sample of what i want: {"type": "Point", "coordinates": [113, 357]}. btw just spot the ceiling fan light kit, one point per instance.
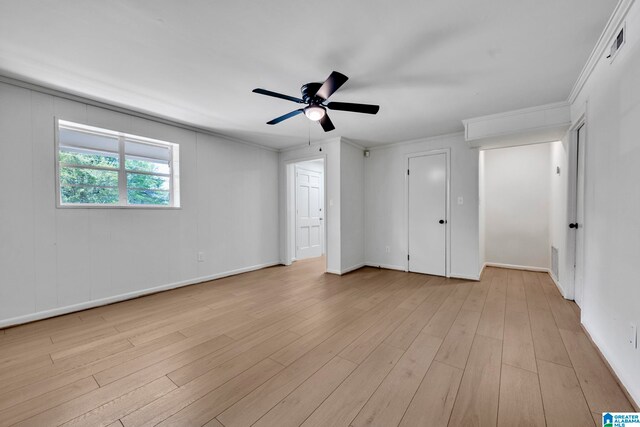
{"type": "Point", "coordinates": [315, 95]}
{"type": "Point", "coordinates": [315, 112]}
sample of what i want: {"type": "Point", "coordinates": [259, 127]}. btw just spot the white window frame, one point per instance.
{"type": "Point", "coordinates": [173, 175]}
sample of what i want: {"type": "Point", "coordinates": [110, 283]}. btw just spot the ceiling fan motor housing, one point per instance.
{"type": "Point", "coordinates": [309, 91]}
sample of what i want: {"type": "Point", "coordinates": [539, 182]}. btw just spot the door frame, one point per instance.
{"type": "Point", "coordinates": [289, 170]}
{"type": "Point", "coordinates": [296, 168]}
{"type": "Point", "coordinates": [572, 200]}
{"type": "Point", "coordinates": [447, 207]}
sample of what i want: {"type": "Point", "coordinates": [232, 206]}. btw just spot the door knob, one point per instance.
{"type": "Point", "coordinates": [442, 221]}
{"type": "Point", "coordinates": [573, 225]}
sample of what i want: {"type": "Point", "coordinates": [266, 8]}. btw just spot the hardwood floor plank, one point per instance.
{"type": "Point", "coordinates": [434, 398]}
{"type": "Point", "coordinates": [24, 368]}
{"type": "Point", "coordinates": [297, 406]}
{"type": "Point", "coordinates": [547, 342]}
{"type": "Point", "coordinates": [179, 354]}
{"type": "Point", "coordinates": [477, 399]}
{"type": "Point", "coordinates": [208, 381]}
{"type": "Point", "coordinates": [457, 344]}
{"type": "Point", "coordinates": [361, 347]}
{"type": "Point", "coordinates": [260, 401]}
{"type": "Point", "coordinates": [94, 399]}
{"type": "Point", "coordinates": [409, 329]}
{"type": "Point", "coordinates": [341, 407]}
{"type": "Point", "coordinates": [213, 423]}
{"type": "Point", "coordinates": [536, 299]}
{"type": "Point", "coordinates": [46, 401]}
{"type": "Point", "coordinates": [389, 402]}
{"type": "Point", "coordinates": [564, 402]}
{"type": "Point", "coordinates": [516, 296]}
{"type": "Point", "coordinates": [518, 347]}
{"type": "Point", "coordinates": [207, 406]}
{"type": "Point", "coordinates": [492, 319]}
{"type": "Point", "coordinates": [48, 380]}
{"type": "Point", "coordinates": [123, 405]}
{"type": "Point", "coordinates": [440, 323]}
{"type": "Point", "coordinates": [600, 388]}
{"type": "Point", "coordinates": [195, 367]}
{"type": "Point", "coordinates": [520, 398]}
{"type": "Point", "coordinates": [476, 298]}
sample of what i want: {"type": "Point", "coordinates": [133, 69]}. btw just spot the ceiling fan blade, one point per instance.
{"type": "Point", "coordinates": [332, 84]}
{"type": "Point", "coordinates": [278, 95]}
{"type": "Point", "coordinates": [326, 123]}
{"type": "Point", "coordinates": [285, 117]}
{"type": "Point", "coordinates": [355, 108]}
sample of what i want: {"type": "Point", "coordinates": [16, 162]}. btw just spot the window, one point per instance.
{"type": "Point", "coordinates": [103, 168]}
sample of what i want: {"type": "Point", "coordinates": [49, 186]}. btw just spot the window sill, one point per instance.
{"type": "Point", "coordinates": [59, 206]}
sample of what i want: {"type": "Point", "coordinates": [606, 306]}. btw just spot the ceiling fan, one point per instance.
{"type": "Point", "coordinates": [315, 95]}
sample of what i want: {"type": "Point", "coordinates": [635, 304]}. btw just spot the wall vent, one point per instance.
{"type": "Point", "coordinates": [554, 262]}
{"type": "Point", "coordinates": [618, 42]}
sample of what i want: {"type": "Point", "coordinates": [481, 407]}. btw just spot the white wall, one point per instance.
{"type": "Point", "coordinates": [385, 215]}
{"type": "Point", "coordinates": [52, 259]}
{"type": "Point", "coordinates": [352, 206]}
{"type": "Point", "coordinates": [516, 205]}
{"type": "Point", "coordinates": [611, 298]}
{"type": "Point", "coordinates": [559, 221]}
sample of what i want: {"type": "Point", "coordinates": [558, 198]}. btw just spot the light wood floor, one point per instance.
{"type": "Point", "coordinates": [290, 346]}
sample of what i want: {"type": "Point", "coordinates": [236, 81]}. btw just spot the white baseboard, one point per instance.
{"type": "Point", "coordinates": [625, 382]}
{"type": "Point", "coordinates": [346, 270]}
{"type": "Point", "coordinates": [386, 266]}
{"type": "Point", "coordinates": [465, 277]}
{"type": "Point", "coordinates": [515, 267]}
{"type": "Point", "coordinates": [18, 320]}
{"type": "Point", "coordinates": [559, 286]}
{"type": "Point", "coordinates": [529, 268]}
{"type": "Point", "coordinates": [352, 268]}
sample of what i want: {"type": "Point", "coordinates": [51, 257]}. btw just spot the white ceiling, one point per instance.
{"type": "Point", "coordinates": [428, 64]}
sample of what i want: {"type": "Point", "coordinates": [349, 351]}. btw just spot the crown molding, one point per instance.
{"type": "Point", "coordinates": [518, 112]}
{"type": "Point", "coordinates": [416, 141]}
{"type": "Point", "coordinates": [132, 112]}
{"type": "Point", "coordinates": [615, 21]}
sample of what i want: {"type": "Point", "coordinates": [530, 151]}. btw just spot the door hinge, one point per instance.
{"type": "Point", "coordinates": [407, 171]}
{"type": "Point", "coordinates": [407, 257]}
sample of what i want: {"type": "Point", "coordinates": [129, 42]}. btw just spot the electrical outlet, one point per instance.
{"type": "Point", "coordinates": [633, 336]}
{"type": "Point", "coordinates": [460, 200]}
{"type": "Point", "coordinates": [387, 249]}
{"type": "Point", "coordinates": [200, 256]}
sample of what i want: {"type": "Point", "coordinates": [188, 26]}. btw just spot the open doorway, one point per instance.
{"type": "Point", "coordinates": [515, 207]}
{"type": "Point", "coordinates": [306, 207]}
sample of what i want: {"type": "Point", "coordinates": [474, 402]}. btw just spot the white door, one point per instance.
{"type": "Point", "coordinates": [578, 225]}
{"type": "Point", "coordinates": [427, 214]}
{"type": "Point", "coordinates": [309, 215]}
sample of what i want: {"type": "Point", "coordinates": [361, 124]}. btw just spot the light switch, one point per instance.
{"type": "Point", "coordinates": [330, 202]}
{"type": "Point", "coordinates": [460, 200]}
